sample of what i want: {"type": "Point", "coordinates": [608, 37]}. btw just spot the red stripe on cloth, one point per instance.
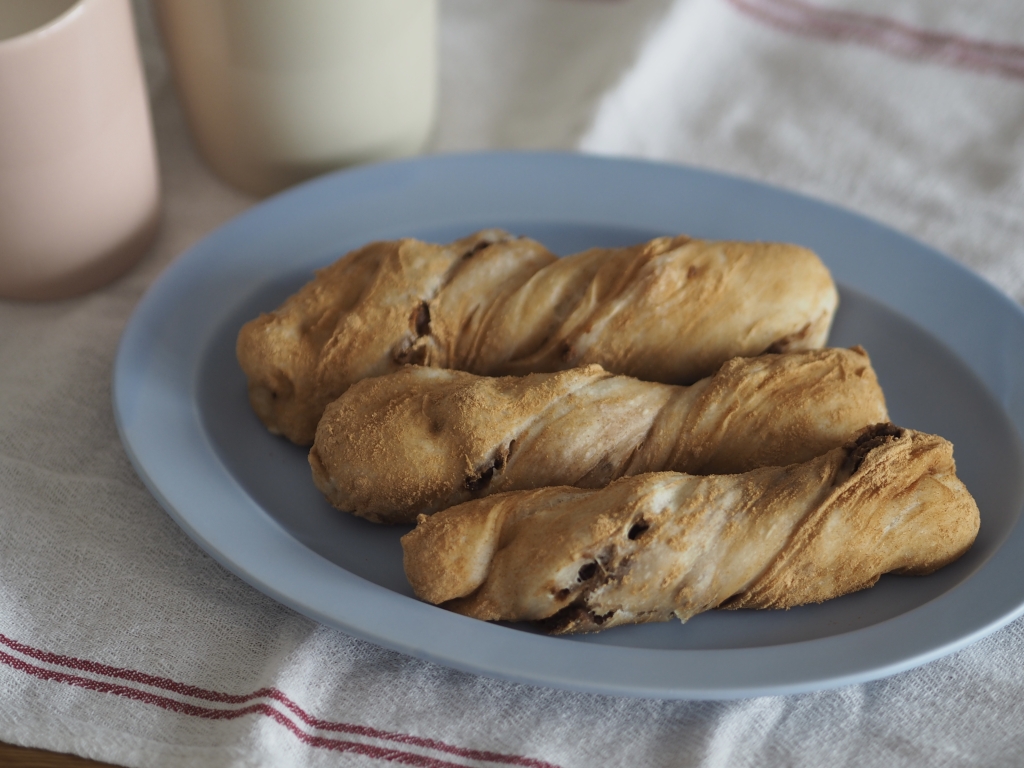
{"type": "Point", "coordinates": [195, 692]}
{"type": "Point", "coordinates": [392, 755]}
{"type": "Point", "coordinates": [887, 35]}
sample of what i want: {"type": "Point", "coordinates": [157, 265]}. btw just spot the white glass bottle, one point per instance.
{"type": "Point", "coordinates": [277, 91]}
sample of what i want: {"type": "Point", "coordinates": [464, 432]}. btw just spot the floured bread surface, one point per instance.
{"type": "Point", "coordinates": [663, 545]}
{"type": "Point", "coordinates": [672, 310]}
{"type": "Point", "coordinates": [360, 317]}
{"type": "Point", "coordinates": [421, 439]}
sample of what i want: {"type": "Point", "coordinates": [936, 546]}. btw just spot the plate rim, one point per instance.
{"type": "Point", "coordinates": [134, 354]}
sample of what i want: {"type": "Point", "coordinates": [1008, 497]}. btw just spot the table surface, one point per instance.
{"type": "Point", "coordinates": [22, 757]}
{"type": "Point", "coordinates": [856, 108]}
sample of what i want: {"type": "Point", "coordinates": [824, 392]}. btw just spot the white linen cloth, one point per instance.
{"type": "Point", "coordinates": [122, 641]}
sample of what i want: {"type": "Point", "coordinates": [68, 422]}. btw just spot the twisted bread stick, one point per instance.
{"type": "Point", "coordinates": [660, 545]}
{"type": "Point", "coordinates": [671, 310]}
{"type": "Point", "coordinates": [423, 439]}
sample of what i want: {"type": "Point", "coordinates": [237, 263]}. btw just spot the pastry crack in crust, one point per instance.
{"type": "Point", "coordinates": [364, 315]}
{"type": "Point", "coordinates": [422, 439]}
{"type": "Point", "coordinates": [671, 310]}
{"type": "Point", "coordinates": [664, 545]}
{"type": "Point", "coordinates": [867, 441]}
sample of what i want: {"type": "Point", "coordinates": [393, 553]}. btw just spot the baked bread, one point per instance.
{"type": "Point", "coordinates": [651, 547]}
{"type": "Point", "coordinates": [423, 439]}
{"type": "Point", "coordinates": [671, 310]}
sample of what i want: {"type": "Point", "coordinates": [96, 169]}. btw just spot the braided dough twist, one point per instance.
{"type": "Point", "coordinates": [655, 546]}
{"type": "Point", "coordinates": [423, 439]}
{"type": "Point", "coordinates": [671, 310]}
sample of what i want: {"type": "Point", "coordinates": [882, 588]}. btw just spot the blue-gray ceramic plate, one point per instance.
{"type": "Point", "coordinates": [948, 348]}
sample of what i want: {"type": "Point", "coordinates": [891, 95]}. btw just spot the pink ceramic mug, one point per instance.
{"type": "Point", "coordinates": [79, 190]}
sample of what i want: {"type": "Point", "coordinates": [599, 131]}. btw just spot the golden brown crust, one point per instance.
{"type": "Point", "coordinates": [670, 310]}
{"type": "Point", "coordinates": [422, 439]}
{"type": "Point", "coordinates": [659, 545]}
{"type": "Point", "coordinates": [357, 318]}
